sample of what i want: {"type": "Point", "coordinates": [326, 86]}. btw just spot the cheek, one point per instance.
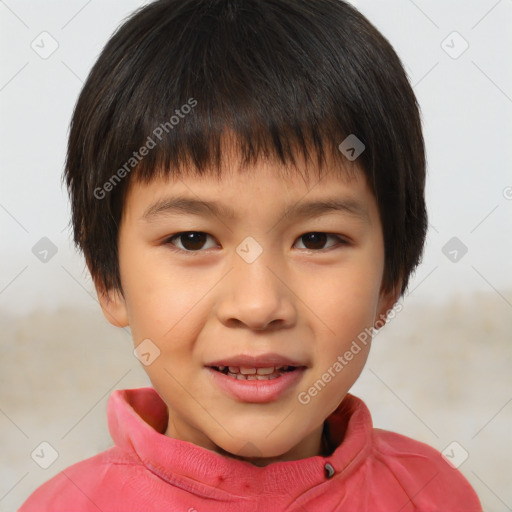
{"type": "Point", "coordinates": [156, 295]}
{"type": "Point", "coordinates": [345, 302]}
{"type": "Point", "coordinates": [346, 306]}
{"type": "Point", "coordinates": [161, 300]}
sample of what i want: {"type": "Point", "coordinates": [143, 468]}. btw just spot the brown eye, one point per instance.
{"type": "Point", "coordinates": [315, 241]}
{"type": "Point", "coordinates": [191, 241]}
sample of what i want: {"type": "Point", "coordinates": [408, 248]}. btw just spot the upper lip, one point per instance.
{"type": "Point", "coordinates": [262, 361]}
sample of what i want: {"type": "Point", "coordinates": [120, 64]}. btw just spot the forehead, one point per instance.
{"type": "Point", "coordinates": [266, 187]}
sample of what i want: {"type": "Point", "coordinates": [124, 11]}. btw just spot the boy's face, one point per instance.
{"type": "Point", "coordinates": [251, 285]}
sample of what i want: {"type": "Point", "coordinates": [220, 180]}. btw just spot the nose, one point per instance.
{"type": "Point", "coordinates": [256, 295]}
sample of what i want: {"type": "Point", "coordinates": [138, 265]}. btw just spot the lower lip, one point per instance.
{"type": "Point", "coordinates": [257, 391]}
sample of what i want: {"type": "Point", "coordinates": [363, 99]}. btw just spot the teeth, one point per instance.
{"type": "Point", "coordinates": [240, 376]}
{"type": "Point", "coordinates": [244, 370]}
{"type": "Point", "coordinates": [269, 374]}
{"type": "Point", "coordinates": [265, 371]}
{"type": "Point", "coordinates": [247, 371]}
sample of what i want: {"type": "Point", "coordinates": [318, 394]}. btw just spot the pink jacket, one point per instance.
{"type": "Point", "coordinates": [371, 470]}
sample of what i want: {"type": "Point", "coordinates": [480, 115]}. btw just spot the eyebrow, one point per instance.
{"type": "Point", "coordinates": [186, 205]}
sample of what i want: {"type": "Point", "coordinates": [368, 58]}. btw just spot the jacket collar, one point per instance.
{"type": "Point", "coordinates": [137, 420]}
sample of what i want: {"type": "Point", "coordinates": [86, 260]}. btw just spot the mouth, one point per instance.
{"type": "Point", "coordinates": [246, 373]}
{"type": "Point", "coordinates": [257, 378]}
{"type": "Point", "coordinates": [261, 384]}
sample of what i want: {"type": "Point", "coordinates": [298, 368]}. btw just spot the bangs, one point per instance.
{"type": "Point", "coordinates": [200, 81]}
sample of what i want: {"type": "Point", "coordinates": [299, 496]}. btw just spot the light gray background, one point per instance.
{"type": "Point", "coordinates": [438, 373]}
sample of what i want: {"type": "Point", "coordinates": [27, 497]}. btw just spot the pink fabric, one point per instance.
{"type": "Point", "coordinates": [374, 471]}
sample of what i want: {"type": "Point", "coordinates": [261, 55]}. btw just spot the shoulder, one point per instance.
{"type": "Point", "coordinates": [82, 486]}
{"type": "Point", "coordinates": [426, 476]}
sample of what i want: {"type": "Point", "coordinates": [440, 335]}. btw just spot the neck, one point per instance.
{"type": "Point", "coordinates": [315, 444]}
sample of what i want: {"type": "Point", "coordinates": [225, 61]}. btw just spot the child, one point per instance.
{"type": "Point", "coordinates": [255, 128]}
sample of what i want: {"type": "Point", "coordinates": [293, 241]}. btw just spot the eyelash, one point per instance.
{"type": "Point", "coordinates": [169, 241]}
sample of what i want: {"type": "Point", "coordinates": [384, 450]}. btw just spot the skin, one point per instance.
{"type": "Point", "coordinates": [307, 300]}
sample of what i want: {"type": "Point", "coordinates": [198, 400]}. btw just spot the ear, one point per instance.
{"type": "Point", "coordinates": [386, 302]}
{"type": "Point", "coordinates": [113, 305]}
